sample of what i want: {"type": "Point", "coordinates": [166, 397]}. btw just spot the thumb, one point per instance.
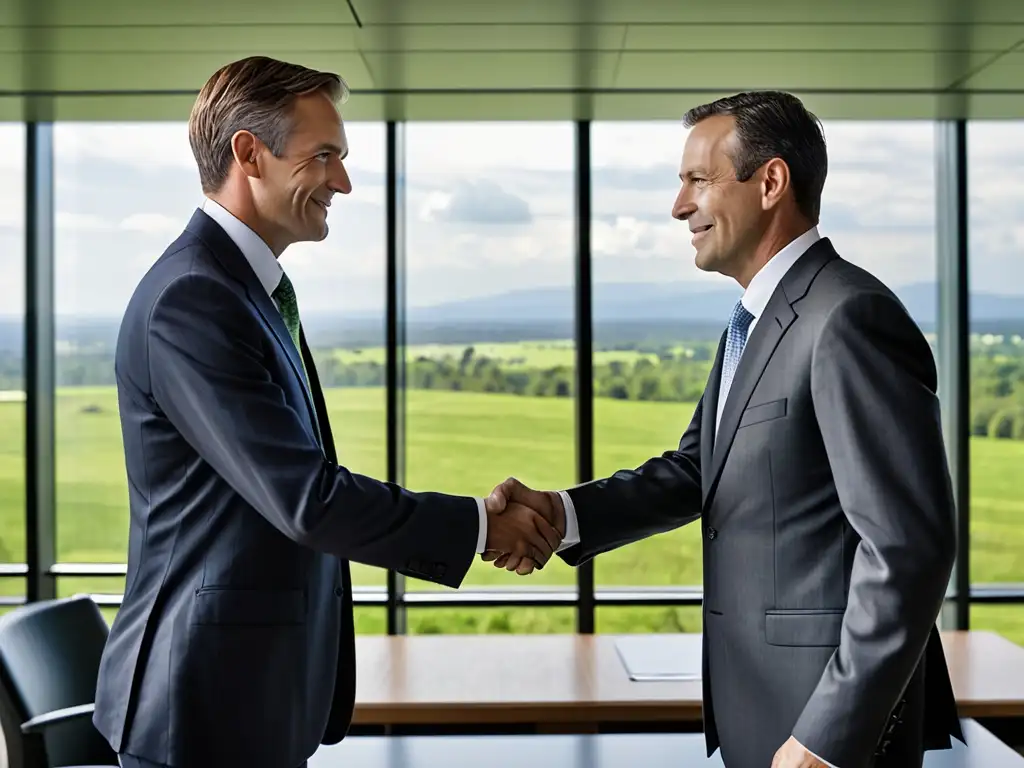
{"type": "Point", "coordinates": [517, 492]}
{"type": "Point", "coordinates": [498, 498]}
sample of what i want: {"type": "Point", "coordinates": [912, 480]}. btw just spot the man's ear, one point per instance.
{"type": "Point", "coordinates": [774, 183]}
{"type": "Point", "coordinates": [246, 150]}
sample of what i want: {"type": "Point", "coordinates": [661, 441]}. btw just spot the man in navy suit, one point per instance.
{"type": "Point", "coordinates": [234, 644]}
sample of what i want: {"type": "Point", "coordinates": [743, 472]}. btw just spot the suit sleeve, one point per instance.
{"type": "Point", "coordinates": [662, 494]}
{"type": "Point", "coordinates": [206, 347]}
{"type": "Point", "coordinates": [873, 385]}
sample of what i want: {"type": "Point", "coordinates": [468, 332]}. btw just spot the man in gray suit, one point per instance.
{"type": "Point", "coordinates": [234, 644]}
{"type": "Point", "coordinates": [814, 464]}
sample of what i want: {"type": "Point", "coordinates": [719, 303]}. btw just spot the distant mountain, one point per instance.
{"type": "Point", "coordinates": [678, 301]}
{"type": "Point", "coordinates": [622, 311]}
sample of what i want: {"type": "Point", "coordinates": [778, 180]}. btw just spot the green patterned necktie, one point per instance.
{"type": "Point", "coordinates": [288, 305]}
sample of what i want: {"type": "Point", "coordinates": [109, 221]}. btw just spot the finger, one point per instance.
{"type": "Point", "coordinates": [489, 554]}
{"type": "Point", "coordinates": [526, 567]}
{"type": "Point", "coordinates": [548, 531]}
{"type": "Point", "coordinates": [512, 561]}
{"type": "Point", "coordinates": [516, 491]}
{"type": "Point", "coordinates": [502, 559]}
{"type": "Point", "coordinates": [510, 488]}
{"type": "Point", "coordinates": [538, 547]}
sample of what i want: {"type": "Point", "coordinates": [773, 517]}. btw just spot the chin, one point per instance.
{"type": "Point", "coordinates": [704, 263]}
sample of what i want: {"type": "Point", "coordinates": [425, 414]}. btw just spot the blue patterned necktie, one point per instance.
{"type": "Point", "coordinates": [735, 340]}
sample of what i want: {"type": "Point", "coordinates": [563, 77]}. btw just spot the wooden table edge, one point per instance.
{"type": "Point", "coordinates": [528, 713]}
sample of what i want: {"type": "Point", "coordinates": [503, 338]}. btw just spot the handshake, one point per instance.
{"type": "Point", "coordinates": [524, 527]}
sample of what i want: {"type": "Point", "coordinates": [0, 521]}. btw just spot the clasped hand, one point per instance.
{"type": "Point", "coordinates": [524, 527]}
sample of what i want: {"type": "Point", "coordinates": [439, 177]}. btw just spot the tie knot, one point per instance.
{"type": "Point", "coordinates": [285, 291]}
{"type": "Point", "coordinates": [741, 318]}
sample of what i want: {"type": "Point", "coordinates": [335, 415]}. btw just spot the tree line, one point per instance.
{"type": "Point", "coordinates": [649, 372]}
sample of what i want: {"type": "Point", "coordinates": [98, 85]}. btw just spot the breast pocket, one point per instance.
{"type": "Point", "coordinates": [757, 414]}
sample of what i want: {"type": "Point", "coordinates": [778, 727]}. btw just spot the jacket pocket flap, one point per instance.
{"type": "Point", "coordinates": [803, 627]}
{"type": "Point", "coordinates": [755, 414]}
{"type": "Point", "coordinates": [225, 605]}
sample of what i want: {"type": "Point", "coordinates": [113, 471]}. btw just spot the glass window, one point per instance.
{"type": "Point", "coordinates": [996, 240]}
{"type": "Point", "coordinates": [124, 192]}
{"type": "Point", "coordinates": [658, 319]}
{"type": "Point", "coordinates": [528, 620]}
{"type": "Point", "coordinates": [341, 286]}
{"type": "Point", "coordinates": [490, 258]}
{"type": "Point", "coordinates": [12, 327]}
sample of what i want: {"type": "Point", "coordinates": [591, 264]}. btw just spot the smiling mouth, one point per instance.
{"type": "Point", "coordinates": [698, 232]}
{"type": "Point", "coordinates": [323, 205]}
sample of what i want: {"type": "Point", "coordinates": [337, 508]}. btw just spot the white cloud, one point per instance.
{"type": "Point", "coordinates": [12, 159]}
{"type": "Point", "coordinates": [626, 235]}
{"type": "Point", "coordinates": [433, 204]}
{"type": "Point", "coordinates": [80, 222]}
{"type": "Point", "coordinates": [879, 208]}
{"type": "Point", "coordinates": [470, 148]}
{"type": "Point", "coordinates": [152, 224]}
{"type": "Point", "coordinates": [148, 145]}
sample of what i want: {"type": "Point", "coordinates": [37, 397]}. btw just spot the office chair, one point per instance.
{"type": "Point", "coordinates": [49, 662]}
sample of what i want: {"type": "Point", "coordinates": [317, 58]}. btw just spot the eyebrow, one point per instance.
{"type": "Point", "coordinates": [691, 173]}
{"type": "Point", "coordinates": [328, 147]}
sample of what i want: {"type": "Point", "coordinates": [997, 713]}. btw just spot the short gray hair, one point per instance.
{"type": "Point", "coordinates": [254, 94]}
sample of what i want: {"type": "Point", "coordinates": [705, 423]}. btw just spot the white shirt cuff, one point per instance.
{"type": "Point", "coordinates": [481, 537]}
{"type": "Point", "coordinates": [572, 528]}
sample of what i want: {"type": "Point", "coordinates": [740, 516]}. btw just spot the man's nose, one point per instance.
{"type": "Point", "coordinates": [684, 207]}
{"type": "Point", "coordinates": [339, 180]}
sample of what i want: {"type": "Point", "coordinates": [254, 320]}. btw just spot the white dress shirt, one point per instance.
{"type": "Point", "coordinates": [268, 271]}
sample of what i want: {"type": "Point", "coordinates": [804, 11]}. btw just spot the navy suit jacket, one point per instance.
{"type": "Point", "coordinates": [234, 644]}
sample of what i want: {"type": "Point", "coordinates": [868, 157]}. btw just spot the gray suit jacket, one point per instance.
{"type": "Point", "coordinates": [234, 644]}
{"type": "Point", "coordinates": [828, 521]}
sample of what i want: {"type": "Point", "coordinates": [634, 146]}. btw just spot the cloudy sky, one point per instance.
{"type": "Point", "coordinates": [490, 209]}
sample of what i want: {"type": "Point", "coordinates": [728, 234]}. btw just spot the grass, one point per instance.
{"type": "Point", "coordinates": [466, 443]}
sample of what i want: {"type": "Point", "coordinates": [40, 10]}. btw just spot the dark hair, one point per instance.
{"type": "Point", "coordinates": [773, 124]}
{"type": "Point", "coordinates": [255, 94]}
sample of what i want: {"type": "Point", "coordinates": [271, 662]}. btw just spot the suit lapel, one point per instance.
{"type": "Point", "coordinates": [709, 416]}
{"type": "Point", "coordinates": [318, 399]}
{"type": "Point", "coordinates": [232, 259]}
{"type": "Point", "coordinates": [771, 326]}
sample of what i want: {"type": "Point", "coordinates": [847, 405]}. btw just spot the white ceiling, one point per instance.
{"type": "Point", "coordinates": [528, 59]}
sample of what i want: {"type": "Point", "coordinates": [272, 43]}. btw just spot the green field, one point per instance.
{"type": "Point", "coordinates": [527, 355]}
{"type": "Point", "coordinates": [464, 442]}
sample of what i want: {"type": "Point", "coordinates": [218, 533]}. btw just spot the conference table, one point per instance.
{"type": "Point", "coordinates": [573, 684]}
{"type": "Point", "coordinates": [597, 751]}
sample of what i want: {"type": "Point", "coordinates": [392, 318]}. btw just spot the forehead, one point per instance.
{"type": "Point", "coordinates": [709, 144]}
{"type": "Point", "coordinates": [316, 121]}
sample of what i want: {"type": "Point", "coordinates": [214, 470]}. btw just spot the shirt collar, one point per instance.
{"type": "Point", "coordinates": [262, 260]}
{"type": "Point", "coordinates": [764, 283]}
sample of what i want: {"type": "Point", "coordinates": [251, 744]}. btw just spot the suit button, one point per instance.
{"type": "Point", "coordinates": [338, 591]}
{"type": "Point", "coordinates": [712, 533]}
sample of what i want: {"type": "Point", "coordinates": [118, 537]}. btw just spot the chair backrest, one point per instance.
{"type": "Point", "coordinates": [49, 660]}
